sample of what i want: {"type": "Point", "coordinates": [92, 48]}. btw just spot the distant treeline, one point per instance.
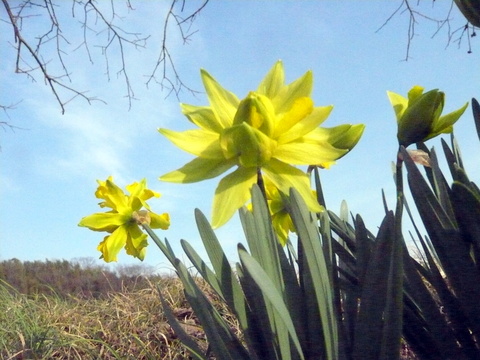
{"type": "Point", "coordinates": [79, 278]}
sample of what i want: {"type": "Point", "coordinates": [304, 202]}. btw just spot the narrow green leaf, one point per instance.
{"type": "Point", "coordinates": [441, 188]}
{"type": "Point", "coordinates": [467, 210]}
{"type": "Point", "coordinates": [456, 152]}
{"type": "Point", "coordinates": [364, 249]}
{"type": "Point", "coordinates": [260, 332]}
{"type": "Point", "coordinates": [261, 237]}
{"type": "Point", "coordinates": [369, 327]}
{"type": "Point", "coordinates": [451, 161]}
{"type": "Point", "coordinates": [207, 274]}
{"type": "Point", "coordinates": [318, 187]}
{"type": "Point", "coordinates": [476, 115]}
{"type": "Point", "coordinates": [424, 198]}
{"type": "Point", "coordinates": [271, 292]}
{"type": "Point", "coordinates": [439, 334]}
{"type": "Point", "coordinates": [186, 340]}
{"type": "Point", "coordinates": [230, 288]}
{"type": "Point", "coordinates": [317, 266]}
{"type": "Point", "coordinates": [221, 338]}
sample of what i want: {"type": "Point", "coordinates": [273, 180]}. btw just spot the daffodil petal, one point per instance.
{"type": "Point", "coordinates": [308, 124]}
{"type": "Point", "coordinates": [202, 116]}
{"type": "Point", "coordinates": [197, 142]}
{"type": "Point", "coordinates": [344, 136]}
{"type": "Point", "coordinates": [224, 103]}
{"type": "Point", "coordinates": [444, 125]}
{"type": "Point", "coordinates": [414, 93]}
{"type": "Point", "coordinates": [136, 190]}
{"type": "Point", "coordinates": [198, 169]}
{"type": "Point", "coordinates": [305, 153]}
{"type": "Point", "coordinates": [273, 81]}
{"type": "Point", "coordinates": [399, 104]}
{"type": "Point", "coordinates": [285, 176]}
{"type": "Point", "coordinates": [301, 108]}
{"type": "Point", "coordinates": [231, 194]}
{"type": "Point", "coordinates": [282, 223]}
{"type": "Point", "coordinates": [159, 221]}
{"type": "Point", "coordinates": [116, 196]}
{"type": "Point", "coordinates": [136, 242]}
{"type": "Point", "coordinates": [103, 221]}
{"type": "Point", "coordinates": [139, 194]}
{"type": "Point", "coordinates": [301, 87]}
{"type": "Point", "coordinates": [112, 244]}
{"type": "Point", "coordinates": [140, 190]}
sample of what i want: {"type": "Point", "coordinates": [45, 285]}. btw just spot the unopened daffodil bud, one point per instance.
{"type": "Point", "coordinates": [419, 117]}
{"type": "Point", "coordinates": [257, 111]}
{"type": "Point", "coordinates": [249, 146]}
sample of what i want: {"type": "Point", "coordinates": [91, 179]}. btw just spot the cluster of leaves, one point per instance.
{"type": "Point", "coordinates": [346, 293]}
{"type": "Point", "coordinates": [75, 278]}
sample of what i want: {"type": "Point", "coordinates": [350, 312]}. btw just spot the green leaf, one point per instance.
{"type": "Point", "coordinates": [467, 210]}
{"type": "Point", "coordinates": [186, 340]}
{"type": "Point", "coordinates": [226, 278]}
{"type": "Point", "coordinates": [266, 249]}
{"type": "Point", "coordinates": [437, 331]}
{"type": "Point", "coordinates": [207, 274]}
{"type": "Point", "coordinates": [476, 115]}
{"type": "Point", "coordinates": [424, 198]}
{"type": "Point", "coordinates": [275, 298]}
{"type": "Point", "coordinates": [260, 331]}
{"type": "Point", "coordinates": [221, 338]}
{"type": "Point", "coordinates": [317, 267]}
{"type": "Point", "coordinates": [369, 326]}
{"type": "Point", "coordinates": [441, 188]}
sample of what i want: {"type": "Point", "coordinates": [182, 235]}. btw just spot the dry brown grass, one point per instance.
{"type": "Point", "coordinates": [125, 325]}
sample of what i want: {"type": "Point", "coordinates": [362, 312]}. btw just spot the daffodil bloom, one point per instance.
{"type": "Point", "coordinates": [277, 205]}
{"type": "Point", "coordinates": [419, 116]}
{"type": "Point", "coordinates": [123, 220]}
{"type": "Point", "coordinates": [268, 132]}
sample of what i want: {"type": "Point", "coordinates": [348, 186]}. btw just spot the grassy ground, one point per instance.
{"type": "Point", "coordinates": [125, 325]}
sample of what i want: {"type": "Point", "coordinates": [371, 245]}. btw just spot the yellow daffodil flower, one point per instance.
{"type": "Point", "coordinates": [418, 116]}
{"type": "Point", "coordinates": [124, 218]}
{"type": "Point", "coordinates": [281, 221]}
{"type": "Point", "coordinates": [269, 131]}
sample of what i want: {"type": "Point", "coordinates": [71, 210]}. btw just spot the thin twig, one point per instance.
{"type": "Point", "coordinates": [165, 63]}
{"type": "Point", "coordinates": [52, 81]}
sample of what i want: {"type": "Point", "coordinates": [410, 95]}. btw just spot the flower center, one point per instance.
{"type": "Point", "coordinates": [251, 147]}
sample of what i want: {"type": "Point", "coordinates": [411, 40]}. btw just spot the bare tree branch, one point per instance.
{"type": "Point", "coordinates": [116, 35]}
{"type": "Point", "coordinates": [165, 61]}
{"type": "Point", "coordinates": [20, 43]}
{"type": "Point", "coordinates": [45, 54]}
{"type": "Point", "coordinates": [5, 124]}
{"type": "Point", "coordinates": [406, 7]}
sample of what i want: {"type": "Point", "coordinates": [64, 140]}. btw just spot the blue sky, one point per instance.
{"type": "Point", "coordinates": [48, 170]}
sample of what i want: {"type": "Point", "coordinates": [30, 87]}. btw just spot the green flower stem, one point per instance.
{"type": "Point", "coordinates": [394, 307]}
{"type": "Point", "coordinates": [168, 253]}
{"type": "Point", "coordinates": [261, 184]}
